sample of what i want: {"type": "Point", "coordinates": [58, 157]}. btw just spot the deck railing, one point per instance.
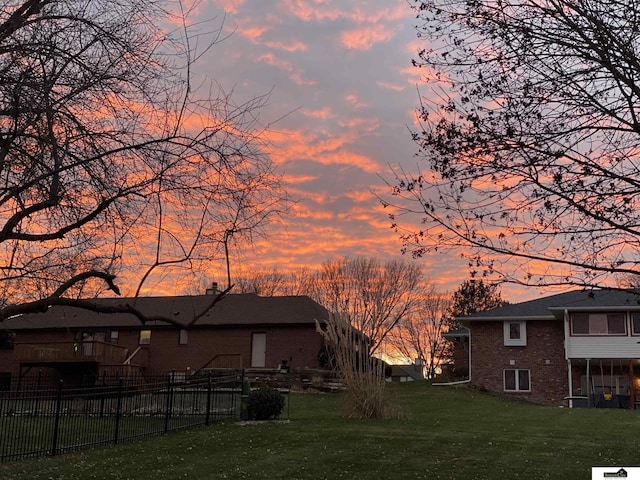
{"type": "Point", "coordinates": [87, 351]}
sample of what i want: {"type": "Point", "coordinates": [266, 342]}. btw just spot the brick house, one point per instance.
{"type": "Point", "coordinates": [580, 348]}
{"type": "Point", "coordinates": [241, 331]}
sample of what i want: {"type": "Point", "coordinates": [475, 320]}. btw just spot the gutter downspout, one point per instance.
{"type": "Point", "coordinates": [459, 382]}
{"type": "Point", "coordinates": [569, 373]}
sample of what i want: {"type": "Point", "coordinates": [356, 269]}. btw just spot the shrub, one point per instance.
{"type": "Point", "coordinates": [265, 403]}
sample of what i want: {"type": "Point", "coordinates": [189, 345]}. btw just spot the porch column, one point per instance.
{"type": "Point", "coordinates": [632, 387]}
{"type": "Point", "coordinates": [588, 382]}
{"type": "Point", "coordinates": [570, 375]}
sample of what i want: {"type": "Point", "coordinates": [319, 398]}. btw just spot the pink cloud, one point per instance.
{"type": "Point", "coordinates": [288, 46]}
{"type": "Point", "coordinates": [308, 10]}
{"type": "Point", "coordinates": [361, 124]}
{"type": "Point", "coordinates": [391, 86]}
{"type": "Point", "coordinates": [254, 32]}
{"type": "Point", "coordinates": [354, 100]}
{"type": "Point", "coordinates": [322, 113]}
{"type": "Point", "coordinates": [230, 6]}
{"type": "Point", "coordinates": [296, 75]}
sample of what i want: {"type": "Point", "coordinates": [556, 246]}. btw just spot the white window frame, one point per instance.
{"type": "Point", "coordinates": [515, 342]}
{"type": "Point", "coordinates": [603, 318]}
{"type": "Point", "coordinates": [517, 379]}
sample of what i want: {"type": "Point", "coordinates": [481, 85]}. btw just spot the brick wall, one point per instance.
{"type": "Point", "coordinates": [543, 356]}
{"type": "Point", "coordinates": [301, 344]}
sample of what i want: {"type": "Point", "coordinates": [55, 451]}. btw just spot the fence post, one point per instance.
{"type": "Point", "coordinates": [118, 412]}
{"type": "Point", "coordinates": [103, 393]}
{"type": "Point", "coordinates": [169, 403]}
{"type": "Point", "coordinates": [36, 394]}
{"type": "Point", "coordinates": [56, 423]}
{"type": "Point", "coordinates": [244, 398]}
{"type": "Point", "coordinates": [209, 389]}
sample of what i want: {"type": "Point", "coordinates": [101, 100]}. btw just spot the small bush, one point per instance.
{"type": "Point", "coordinates": [265, 403]}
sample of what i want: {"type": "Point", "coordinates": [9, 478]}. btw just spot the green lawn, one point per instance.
{"type": "Point", "coordinates": [444, 432]}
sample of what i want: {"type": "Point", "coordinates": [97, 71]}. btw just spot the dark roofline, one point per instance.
{"type": "Point", "coordinates": [239, 310]}
{"type": "Point", "coordinates": [552, 307]}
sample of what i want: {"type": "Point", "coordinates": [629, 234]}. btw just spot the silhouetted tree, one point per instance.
{"type": "Point", "coordinates": [530, 139]}
{"type": "Point", "coordinates": [473, 296]}
{"type": "Point", "coordinates": [110, 159]}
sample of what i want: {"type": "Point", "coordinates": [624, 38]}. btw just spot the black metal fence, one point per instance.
{"type": "Point", "coordinates": [39, 419]}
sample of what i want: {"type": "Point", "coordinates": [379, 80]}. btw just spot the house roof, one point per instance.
{"type": "Point", "coordinates": [412, 371]}
{"type": "Point", "coordinates": [457, 333]}
{"type": "Point", "coordinates": [553, 306]}
{"type": "Point", "coordinates": [233, 309]}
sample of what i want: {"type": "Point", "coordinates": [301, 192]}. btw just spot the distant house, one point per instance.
{"type": "Point", "coordinates": [241, 331]}
{"type": "Point", "coordinates": [405, 373]}
{"type": "Point", "coordinates": [580, 348]}
{"type": "Point", "coordinates": [458, 366]}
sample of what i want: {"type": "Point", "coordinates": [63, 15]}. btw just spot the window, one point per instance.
{"type": "Point", "coordinates": [6, 340]}
{"type": "Point", "coordinates": [515, 334]}
{"type": "Point", "coordinates": [635, 323]}
{"type": "Point", "coordinates": [517, 380]}
{"type": "Point", "coordinates": [599, 324]}
{"type": "Point", "coordinates": [145, 337]}
{"type": "Point", "coordinates": [114, 336]}
{"type": "Point", "coordinates": [183, 337]}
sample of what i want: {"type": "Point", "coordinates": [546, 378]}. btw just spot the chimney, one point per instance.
{"type": "Point", "coordinates": [213, 289]}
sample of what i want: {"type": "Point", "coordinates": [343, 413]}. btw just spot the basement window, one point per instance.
{"type": "Point", "coordinates": [517, 380]}
{"type": "Point", "coordinates": [145, 337]}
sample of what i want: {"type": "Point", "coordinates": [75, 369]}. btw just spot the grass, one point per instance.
{"type": "Point", "coordinates": [444, 432]}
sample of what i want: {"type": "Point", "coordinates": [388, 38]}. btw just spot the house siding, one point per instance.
{"type": "Point", "coordinates": [543, 356]}
{"type": "Point", "coordinates": [603, 347]}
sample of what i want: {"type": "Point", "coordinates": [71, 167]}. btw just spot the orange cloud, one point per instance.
{"type": "Point", "coordinates": [253, 33]}
{"type": "Point", "coordinates": [296, 179]}
{"type": "Point", "coordinates": [323, 148]}
{"type": "Point", "coordinates": [364, 37]}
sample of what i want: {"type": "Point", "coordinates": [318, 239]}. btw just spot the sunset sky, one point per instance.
{"type": "Point", "coordinates": [344, 89]}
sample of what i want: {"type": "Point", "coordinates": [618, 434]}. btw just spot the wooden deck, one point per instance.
{"type": "Point", "coordinates": [66, 352]}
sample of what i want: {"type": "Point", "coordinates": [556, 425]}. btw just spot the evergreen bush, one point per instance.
{"type": "Point", "coordinates": [265, 403]}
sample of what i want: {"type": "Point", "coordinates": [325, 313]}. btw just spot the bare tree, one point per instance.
{"type": "Point", "coordinates": [419, 336]}
{"type": "Point", "coordinates": [110, 157]}
{"type": "Point", "coordinates": [530, 139]}
{"type": "Point", "coordinates": [374, 295]}
{"type": "Point", "coordinates": [268, 283]}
